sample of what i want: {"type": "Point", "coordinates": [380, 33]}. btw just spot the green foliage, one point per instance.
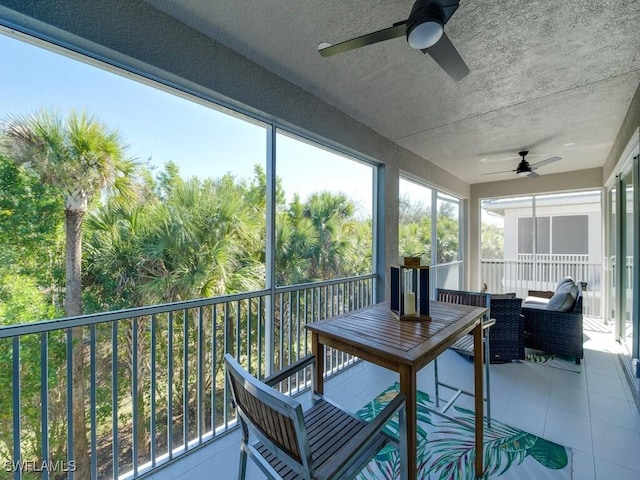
{"type": "Point", "coordinates": [257, 190]}
{"type": "Point", "coordinates": [415, 239]}
{"type": "Point", "coordinates": [198, 238]}
{"type": "Point", "coordinates": [203, 238]}
{"type": "Point", "coordinates": [31, 231]}
{"type": "Point", "coordinates": [414, 231]}
{"type": "Point", "coordinates": [492, 242]}
{"type": "Point", "coordinates": [21, 301]}
{"type": "Point", "coordinates": [412, 211]}
{"type": "Point", "coordinates": [320, 239]}
{"type": "Point", "coordinates": [448, 235]}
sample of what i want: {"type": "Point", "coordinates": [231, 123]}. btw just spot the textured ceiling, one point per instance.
{"type": "Point", "coordinates": [553, 77]}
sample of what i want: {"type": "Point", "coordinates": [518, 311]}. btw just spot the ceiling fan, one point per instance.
{"type": "Point", "coordinates": [524, 169]}
{"type": "Point", "coordinates": [424, 30]}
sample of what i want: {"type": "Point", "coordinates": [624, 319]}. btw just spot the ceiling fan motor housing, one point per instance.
{"type": "Point", "coordinates": [445, 8]}
{"type": "Point", "coordinates": [426, 22]}
{"type": "Point", "coordinates": [523, 167]}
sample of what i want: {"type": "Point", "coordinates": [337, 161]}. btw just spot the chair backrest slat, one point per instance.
{"type": "Point", "coordinates": [273, 414]}
{"type": "Point", "coordinates": [460, 297]}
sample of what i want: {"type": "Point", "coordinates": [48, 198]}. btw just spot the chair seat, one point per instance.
{"type": "Point", "coordinates": [329, 428]}
{"type": "Point", "coordinates": [464, 346]}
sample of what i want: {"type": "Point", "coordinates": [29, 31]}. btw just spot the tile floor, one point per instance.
{"type": "Point", "coordinates": [592, 412]}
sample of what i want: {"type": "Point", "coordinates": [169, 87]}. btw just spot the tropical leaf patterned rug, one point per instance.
{"type": "Point", "coordinates": [446, 449]}
{"type": "Point", "coordinates": [551, 360]}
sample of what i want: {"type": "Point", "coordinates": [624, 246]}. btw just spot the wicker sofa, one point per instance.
{"type": "Point", "coordinates": [558, 332]}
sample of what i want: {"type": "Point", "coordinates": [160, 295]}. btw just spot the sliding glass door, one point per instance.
{"type": "Point", "coordinates": [612, 252]}
{"type": "Point", "coordinates": [628, 324]}
{"type": "Point", "coordinates": [623, 252]}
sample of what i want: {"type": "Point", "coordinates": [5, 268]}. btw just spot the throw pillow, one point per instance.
{"type": "Point", "coordinates": [564, 281]}
{"type": "Point", "coordinates": [565, 296]}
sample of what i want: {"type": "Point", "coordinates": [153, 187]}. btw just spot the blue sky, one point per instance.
{"type": "Point", "coordinates": [159, 126]}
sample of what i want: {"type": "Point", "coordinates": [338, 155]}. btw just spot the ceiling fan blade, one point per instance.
{"type": "Point", "coordinates": [532, 174]}
{"type": "Point", "coordinates": [446, 55]}
{"type": "Point", "coordinates": [545, 162]}
{"type": "Point", "coordinates": [495, 173]}
{"type": "Point", "coordinates": [397, 30]}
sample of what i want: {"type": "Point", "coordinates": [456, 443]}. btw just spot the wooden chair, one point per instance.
{"type": "Point", "coordinates": [324, 442]}
{"type": "Point", "coordinates": [465, 345]}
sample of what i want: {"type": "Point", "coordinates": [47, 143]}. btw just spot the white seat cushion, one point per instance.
{"type": "Point", "coordinates": [535, 306]}
{"type": "Point", "coordinates": [536, 301]}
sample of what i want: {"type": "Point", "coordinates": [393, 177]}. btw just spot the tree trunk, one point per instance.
{"type": "Point", "coordinates": [73, 307]}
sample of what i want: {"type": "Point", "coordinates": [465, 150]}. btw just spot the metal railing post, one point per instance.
{"type": "Point", "coordinates": [16, 410]}
{"type": "Point", "coordinates": [44, 398]}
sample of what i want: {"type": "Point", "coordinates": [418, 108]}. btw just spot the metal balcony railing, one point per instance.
{"type": "Point", "coordinates": [153, 377]}
{"type": "Point", "coordinates": [153, 384]}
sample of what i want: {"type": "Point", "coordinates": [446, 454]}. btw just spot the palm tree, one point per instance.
{"type": "Point", "coordinates": [82, 158]}
{"type": "Point", "coordinates": [296, 238]}
{"type": "Point", "coordinates": [205, 242]}
{"type": "Point", "coordinates": [331, 216]}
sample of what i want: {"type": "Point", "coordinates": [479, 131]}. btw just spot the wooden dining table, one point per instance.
{"type": "Point", "coordinates": [376, 335]}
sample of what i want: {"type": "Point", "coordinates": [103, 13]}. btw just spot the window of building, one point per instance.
{"type": "Point", "coordinates": [556, 235]}
{"type": "Point", "coordinates": [570, 235]}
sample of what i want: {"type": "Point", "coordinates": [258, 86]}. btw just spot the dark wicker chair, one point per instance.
{"type": "Point", "coordinates": [554, 332]}
{"type": "Point", "coordinates": [506, 336]}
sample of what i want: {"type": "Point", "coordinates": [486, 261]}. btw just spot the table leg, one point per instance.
{"type": "Point", "coordinates": [408, 388]}
{"type": "Point", "coordinates": [479, 395]}
{"type": "Point", "coordinates": [318, 351]}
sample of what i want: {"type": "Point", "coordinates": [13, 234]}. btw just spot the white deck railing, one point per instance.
{"type": "Point", "coordinates": [542, 272]}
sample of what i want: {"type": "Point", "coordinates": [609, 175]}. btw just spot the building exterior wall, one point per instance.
{"type": "Point", "coordinates": [592, 210]}
{"type": "Point", "coordinates": [559, 182]}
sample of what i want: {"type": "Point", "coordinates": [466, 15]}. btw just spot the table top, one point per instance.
{"type": "Point", "coordinates": [376, 330]}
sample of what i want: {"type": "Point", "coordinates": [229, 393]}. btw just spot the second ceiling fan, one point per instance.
{"type": "Point", "coordinates": [424, 30]}
{"type": "Point", "coordinates": [524, 169]}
